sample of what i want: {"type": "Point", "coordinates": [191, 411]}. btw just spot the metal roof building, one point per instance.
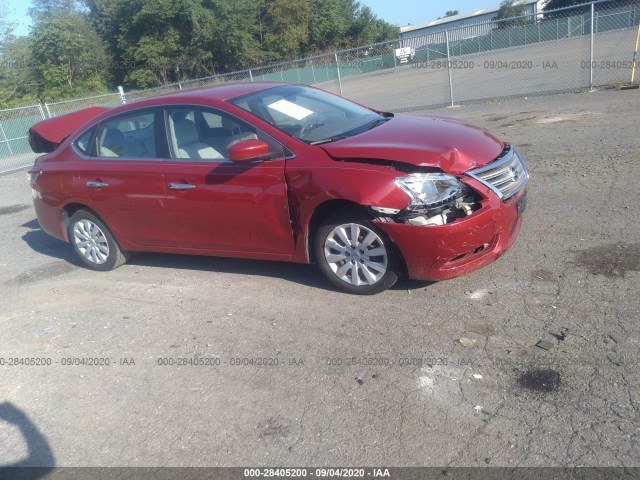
{"type": "Point", "coordinates": [477, 23]}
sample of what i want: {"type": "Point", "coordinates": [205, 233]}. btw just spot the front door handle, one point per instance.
{"type": "Point", "coordinates": [181, 186]}
{"type": "Point", "coordinates": [97, 184]}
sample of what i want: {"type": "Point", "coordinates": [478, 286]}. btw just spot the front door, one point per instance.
{"type": "Point", "coordinates": [215, 204]}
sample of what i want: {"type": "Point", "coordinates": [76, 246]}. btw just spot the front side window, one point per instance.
{"type": "Point", "coordinates": [129, 136]}
{"type": "Point", "coordinates": [308, 114]}
{"type": "Point", "coordinates": [205, 135]}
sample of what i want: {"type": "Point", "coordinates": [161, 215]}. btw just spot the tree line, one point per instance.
{"type": "Point", "coordinates": [78, 48]}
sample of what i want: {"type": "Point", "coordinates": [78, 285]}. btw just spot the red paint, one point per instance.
{"type": "Point", "coordinates": [55, 130]}
{"type": "Point", "coordinates": [449, 144]}
{"type": "Point", "coordinates": [263, 209]}
{"type": "Point", "coordinates": [248, 150]}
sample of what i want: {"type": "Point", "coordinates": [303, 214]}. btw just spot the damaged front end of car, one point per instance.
{"type": "Point", "coordinates": [456, 224]}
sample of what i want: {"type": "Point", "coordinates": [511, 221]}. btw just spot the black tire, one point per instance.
{"type": "Point", "coordinates": [93, 243]}
{"type": "Point", "coordinates": [338, 272]}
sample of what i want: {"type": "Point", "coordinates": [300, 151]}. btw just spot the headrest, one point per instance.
{"type": "Point", "coordinates": [229, 124]}
{"type": "Point", "coordinates": [112, 137]}
{"type": "Point", "coordinates": [186, 132]}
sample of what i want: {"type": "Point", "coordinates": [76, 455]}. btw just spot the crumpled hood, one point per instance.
{"type": "Point", "coordinates": [452, 145]}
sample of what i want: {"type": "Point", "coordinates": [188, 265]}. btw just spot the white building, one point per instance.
{"type": "Point", "coordinates": [476, 23]}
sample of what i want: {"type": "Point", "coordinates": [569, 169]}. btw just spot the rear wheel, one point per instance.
{"type": "Point", "coordinates": [93, 243]}
{"type": "Point", "coordinates": [355, 255]}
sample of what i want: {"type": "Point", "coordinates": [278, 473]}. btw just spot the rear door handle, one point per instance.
{"type": "Point", "coordinates": [181, 186]}
{"type": "Point", "coordinates": [97, 184]}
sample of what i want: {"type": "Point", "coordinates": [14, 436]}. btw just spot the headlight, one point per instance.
{"type": "Point", "coordinates": [426, 189]}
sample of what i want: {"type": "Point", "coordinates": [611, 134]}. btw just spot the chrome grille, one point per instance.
{"type": "Point", "coordinates": [506, 175]}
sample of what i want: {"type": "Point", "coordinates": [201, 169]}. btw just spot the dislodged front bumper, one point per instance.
{"type": "Point", "coordinates": [441, 252]}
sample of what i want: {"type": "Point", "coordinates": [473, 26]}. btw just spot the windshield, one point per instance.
{"type": "Point", "coordinates": [308, 114]}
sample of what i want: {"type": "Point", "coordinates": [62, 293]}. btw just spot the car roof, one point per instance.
{"type": "Point", "coordinates": [56, 129]}
{"type": "Point", "coordinates": [222, 92]}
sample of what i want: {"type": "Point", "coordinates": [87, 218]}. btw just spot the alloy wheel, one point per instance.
{"type": "Point", "coordinates": [91, 241]}
{"type": "Point", "coordinates": [356, 254]}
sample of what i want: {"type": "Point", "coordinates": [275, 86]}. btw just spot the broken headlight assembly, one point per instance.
{"type": "Point", "coordinates": [425, 189]}
{"type": "Point", "coordinates": [436, 199]}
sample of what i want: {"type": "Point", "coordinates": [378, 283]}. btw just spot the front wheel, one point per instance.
{"type": "Point", "coordinates": [93, 243]}
{"type": "Point", "coordinates": [355, 255]}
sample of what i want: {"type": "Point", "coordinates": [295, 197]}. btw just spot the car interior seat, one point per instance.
{"type": "Point", "coordinates": [236, 133]}
{"type": "Point", "coordinates": [112, 144]}
{"type": "Point", "coordinates": [187, 143]}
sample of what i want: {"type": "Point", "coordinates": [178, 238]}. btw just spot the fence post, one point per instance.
{"type": "Point", "coordinates": [446, 36]}
{"type": "Point", "coordinates": [313, 73]}
{"type": "Point", "coordinates": [123, 98]}
{"type": "Point", "coordinates": [591, 50]}
{"type": "Point", "coordinates": [250, 75]}
{"type": "Point", "coordinates": [42, 111]}
{"type": "Point", "coordinates": [338, 70]}
{"type": "Point", "coordinates": [46, 105]}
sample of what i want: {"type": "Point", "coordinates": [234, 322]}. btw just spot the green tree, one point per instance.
{"type": "Point", "coordinates": [69, 59]}
{"type": "Point", "coordinates": [288, 21]}
{"type": "Point", "coordinates": [44, 8]}
{"type": "Point", "coordinates": [508, 10]}
{"type": "Point", "coordinates": [450, 13]}
{"type": "Point", "coordinates": [328, 27]}
{"type": "Point", "coordinates": [555, 4]}
{"type": "Point", "coordinates": [159, 41]}
{"type": "Point", "coordinates": [238, 35]}
{"type": "Point", "coordinates": [366, 28]}
{"type": "Point", "coordinates": [17, 79]}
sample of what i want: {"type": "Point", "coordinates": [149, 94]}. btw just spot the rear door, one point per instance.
{"type": "Point", "coordinates": [215, 204]}
{"type": "Point", "coordinates": [123, 177]}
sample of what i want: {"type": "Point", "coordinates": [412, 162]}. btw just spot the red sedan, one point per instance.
{"type": "Point", "coordinates": [279, 172]}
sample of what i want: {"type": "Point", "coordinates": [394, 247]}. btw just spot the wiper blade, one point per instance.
{"type": "Point", "coordinates": [328, 140]}
{"type": "Point", "coordinates": [376, 122]}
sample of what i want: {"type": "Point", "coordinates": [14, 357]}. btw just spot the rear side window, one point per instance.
{"type": "Point", "coordinates": [83, 143]}
{"type": "Point", "coordinates": [129, 136]}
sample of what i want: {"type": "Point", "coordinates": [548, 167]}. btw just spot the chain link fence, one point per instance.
{"type": "Point", "coordinates": [56, 109]}
{"type": "Point", "coordinates": [15, 152]}
{"type": "Point", "coordinates": [571, 49]}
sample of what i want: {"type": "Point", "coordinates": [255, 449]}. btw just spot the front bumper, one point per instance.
{"type": "Point", "coordinates": [447, 251]}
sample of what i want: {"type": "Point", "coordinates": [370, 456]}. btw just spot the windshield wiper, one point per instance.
{"type": "Point", "coordinates": [328, 140]}
{"type": "Point", "coordinates": [376, 122]}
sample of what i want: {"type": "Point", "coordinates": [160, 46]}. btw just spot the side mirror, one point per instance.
{"type": "Point", "coordinates": [247, 150]}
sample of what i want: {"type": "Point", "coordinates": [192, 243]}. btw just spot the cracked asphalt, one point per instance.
{"type": "Point", "coordinates": [548, 376]}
